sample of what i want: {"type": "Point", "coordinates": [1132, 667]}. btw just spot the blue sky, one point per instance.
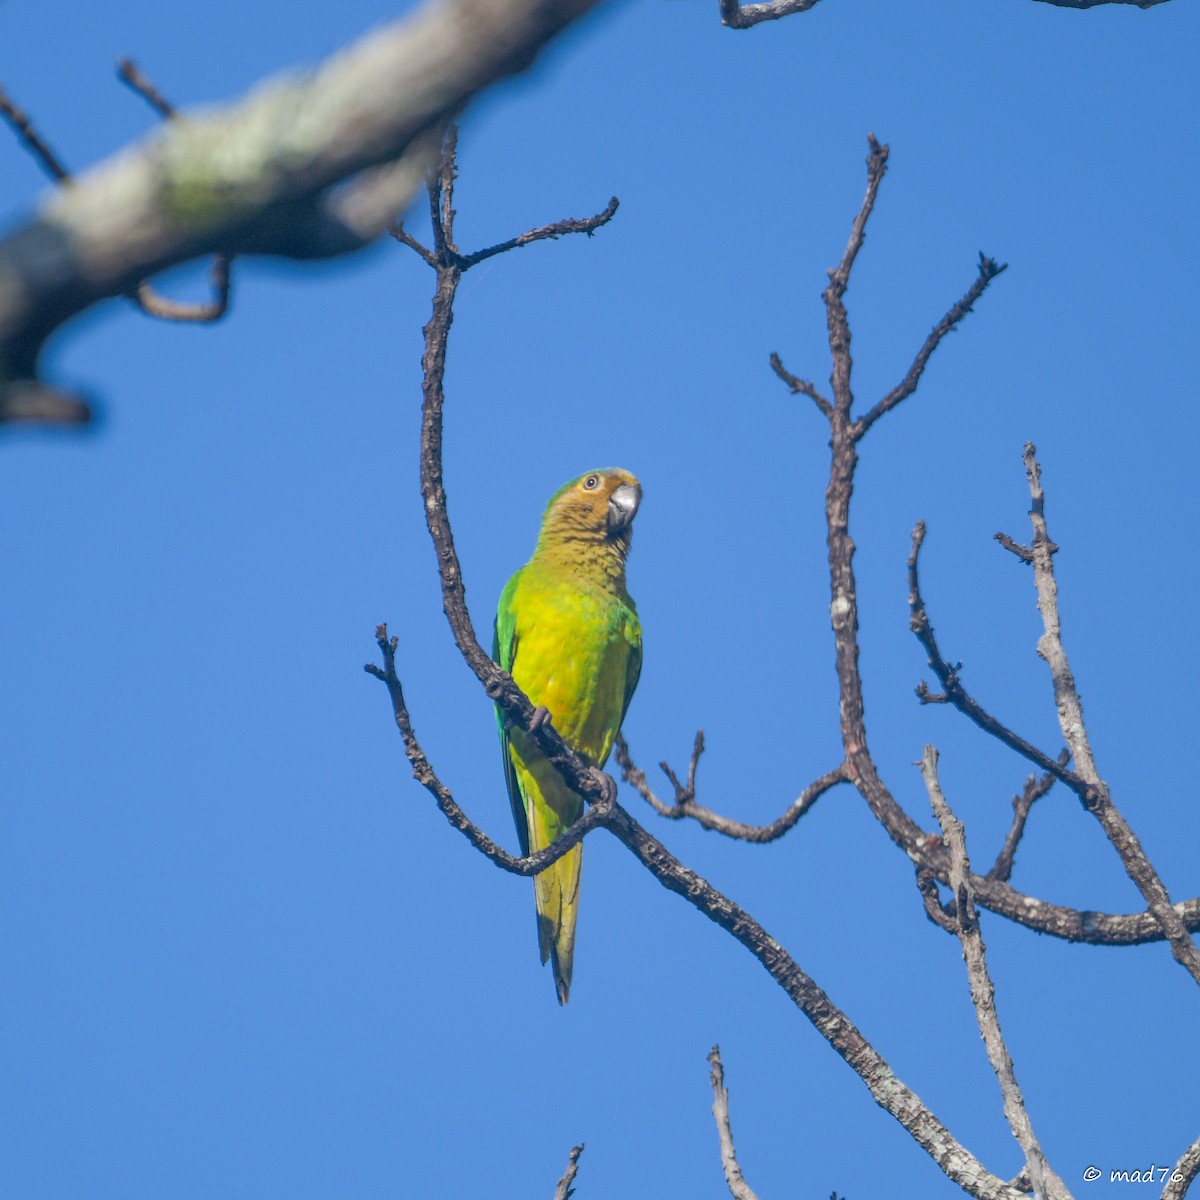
{"type": "Point", "coordinates": [243, 954]}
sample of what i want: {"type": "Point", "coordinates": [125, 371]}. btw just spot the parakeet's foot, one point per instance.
{"type": "Point", "coordinates": [608, 785]}
{"type": "Point", "coordinates": [541, 716]}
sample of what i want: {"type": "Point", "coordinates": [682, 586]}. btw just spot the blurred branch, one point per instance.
{"type": "Point", "coordinates": [564, 1190]}
{"type": "Point", "coordinates": [1097, 798]}
{"type": "Point", "coordinates": [146, 298]}
{"type": "Point", "coordinates": [143, 295]}
{"type": "Point", "coordinates": [129, 74]}
{"type": "Point", "coordinates": [1045, 1183]}
{"type": "Point", "coordinates": [260, 176]}
{"type": "Point", "coordinates": [739, 1189]}
{"type": "Point", "coordinates": [685, 806]}
{"type": "Point", "coordinates": [18, 120]}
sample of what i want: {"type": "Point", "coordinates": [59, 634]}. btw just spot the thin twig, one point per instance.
{"type": "Point", "coordinates": [202, 312]}
{"type": "Point", "coordinates": [837, 321]}
{"type": "Point", "coordinates": [1046, 1184]}
{"type": "Point", "coordinates": [685, 806]}
{"type": "Point", "coordinates": [22, 126]}
{"type": "Point", "coordinates": [586, 225]}
{"type": "Point", "coordinates": [146, 298]}
{"type": "Point", "coordinates": [564, 1190]}
{"type": "Point", "coordinates": [988, 270]}
{"type": "Point", "coordinates": [1098, 799]}
{"type": "Point", "coordinates": [800, 387]}
{"type": "Point", "coordinates": [743, 16]}
{"type": "Point", "coordinates": [1014, 547]}
{"type": "Point", "coordinates": [152, 303]}
{"type": "Point", "coordinates": [1035, 788]}
{"type": "Point", "coordinates": [128, 73]}
{"type": "Point", "coordinates": [955, 694]}
{"type": "Point", "coordinates": [739, 1189]}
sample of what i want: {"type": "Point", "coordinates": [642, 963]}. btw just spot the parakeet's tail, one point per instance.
{"type": "Point", "coordinates": [557, 892]}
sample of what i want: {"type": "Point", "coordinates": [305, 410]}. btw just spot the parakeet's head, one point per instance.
{"type": "Point", "coordinates": [598, 507]}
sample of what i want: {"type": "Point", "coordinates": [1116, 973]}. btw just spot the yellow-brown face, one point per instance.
{"type": "Point", "coordinates": [599, 505]}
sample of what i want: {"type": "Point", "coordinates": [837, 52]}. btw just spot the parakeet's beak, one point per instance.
{"type": "Point", "coordinates": [623, 506]}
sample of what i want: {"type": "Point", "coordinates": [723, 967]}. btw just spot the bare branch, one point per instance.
{"type": "Point", "coordinates": [22, 126]}
{"type": "Point", "coordinates": [146, 298]}
{"type": "Point", "coordinates": [1022, 552]}
{"type": "Point", "coordinates": [587, 225]}
{"type": "Point", "coordinates": [564, 1190]}
{"type": "Point", "coordinates": [259, 176]}
{"type": "Point", "coordinates": [424, 774]}
{"type": "Point", "coordinates": [743, 16]}
{"type": "Point", "coordinates": [1033, 791]}
{"type": "Point", "coordinates": [128, 73]}
{"type": "Point", "coordinates": [739, 1189]}
{"type": "Point", "coordinates": [801, 387]}
{"type": "Point", "coordinates": [685, 805]}
{"type": "Point", "coordinates": [955, 693]}
{"type": "Point", "coordinates": [1185, 1172]}
{"type": "Point", "coordinates": [988, 270]}
{"type": "Point", "coordinates": [1046, 1184]}
{"type": "Point", "coordinates": [1097, 799]}
{"type": "Point", "coordinates": [202, 313]}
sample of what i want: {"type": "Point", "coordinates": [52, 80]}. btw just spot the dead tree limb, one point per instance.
{"type": "Point", "coordinates": [564, 1191]}
{"type": "Point", "coordinates": [739, 1189]}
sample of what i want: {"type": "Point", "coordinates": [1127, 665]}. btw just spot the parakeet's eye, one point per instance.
{"type": "Point", "coordinates": [591, 483]}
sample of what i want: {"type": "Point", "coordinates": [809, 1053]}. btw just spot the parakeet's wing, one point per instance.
{"type": "Point", "coordinates": [633, 668]}
{"type": "Point", "coordinates": [504, 654]}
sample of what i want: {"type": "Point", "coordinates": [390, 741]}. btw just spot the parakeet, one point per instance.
{"type": "Point", "coordinates": [568, 633]}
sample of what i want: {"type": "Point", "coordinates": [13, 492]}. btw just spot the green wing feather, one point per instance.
{"type": "Point", "coordinates": [504, 654]}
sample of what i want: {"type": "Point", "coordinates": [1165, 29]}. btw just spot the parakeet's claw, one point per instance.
{"type": "Point", "coordinates": [541, 716]}
{"type": "Point", "coordinates": [608, 785]}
